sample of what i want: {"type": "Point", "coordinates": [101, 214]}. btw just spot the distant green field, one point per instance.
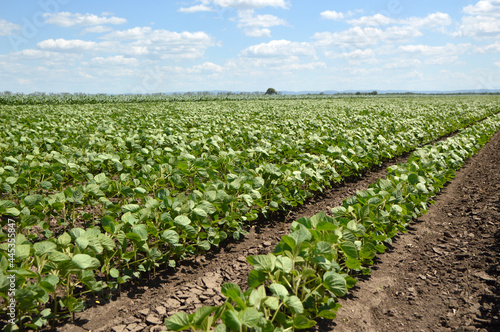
{"type": "Point", "coordinates": [96, 194]}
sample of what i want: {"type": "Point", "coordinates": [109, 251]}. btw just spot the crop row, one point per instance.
{"type": "Point", "coordinates": [314, 264]}
{"type": "Point", "coordinates": [101, 195]}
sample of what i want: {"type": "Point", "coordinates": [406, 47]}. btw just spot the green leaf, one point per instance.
{"type": "Point", "coordinates": [32, 200]}
{"type": "Point", "coordinates": [272, 303]}
{"type": "Point", "coordinates": [234, 292]}
{"type": "Point", "coordinates": [82, 243]}
{"type": "Point", "coordinates": [141, 230]}
{"type": "Point", "coordinates": [349, 249]}
{"type": "Point", "coordinates": [130, 208]}
{"type": "Point", "coordinates": [413, 178]}
{"type": "Point", "coordinates": [326, 226]}
{"type": "Point", "coordinates": [294, 304]}
{"type": "Point", "coordinates": [77, 232]}
{"type": "Point", "coordinates": [64, 239]}
{"type": "Point", "coordinates": [46, 185]}
{"type": "Point", "coordinates": [134, 237]}
{"type": "Point", "coordinates": [44, 247]}
{"type": "Point", "coordinates": [221, 328]}
{"type": "Point", "coordinates": [256, 278]}
{"type": "Point", "coordinates": [203, 245]}
{"type": "Point", "coordinates": [106, 242]}
{"type": "Point", "coordinates": [114, 273]}
{"type": "Point", "coordinates": [335, 283]}
{"type": "Point", "coordinates": [422, 188]}
{"type": "Point", "coordinates": [230, 318]}
{"type": "Point", "coordinates": [279, 290]}
{"type": "Point", "coordinates": [301, 235]}
{"type": "Point", "coordinates": [57, 257]}
{"type": "Point", "coordinates": [182, 221]}
{"type": "Point", "coordinates": [263, 263]}
{"type": "Point", "coordinates": [22, 251]}
{"type": "Point", "coordinates": [170, 236]}
{"type": "Point", "coordinates": [13, 212]}
{"type": "Point", "coordinates": [200, 212]}
{"type": "Point", "coordinates": [201, 314]}
{"type": "Point", "coordinates": [322, 262]}
{"type": "Point", "coordinates": [322, 248]}
{"type": "Point", "coordinates": [250, 317]}
{"type": "Point", "coordinates": [353, 263]}
{"type": "Point", "coordinates": [85, 262]}
{"type": "Point", "coordinates": [301, 322]}
{"type": "Point", "coordinates": [285, 264]}
{"type": "Point", "coordinates": [101, 178]}
{"type": "Point", "coordinates": [108, 224]}
{"type": "Point", "coordinates": [206, 206]}
{"type": "Point", "coordinates": [327, 314]}
{"type": "Point", "coordinates": [178, 322]}
{"type": "Point", "coordinates": [6, 188]}
{"type": "Point", "coordinates": [10, 159]}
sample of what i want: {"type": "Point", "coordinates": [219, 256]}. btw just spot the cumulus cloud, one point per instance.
{"type": "Point", "coordinates": [433, 20]}
{"type": "Point", "coordinates": [481, 21]}
{"type": "Point", "coordinates": [196, 8]}
{"type": "Point", "coordinates": [139, 41]}
{"type": "Point", "coordinates": [279, 48]}
{"type": "Point", "coordinates": [117, 60]}
{"type": "Point", "coordinates": [67, 19]}
{"type": "Point", "coordinates": [374, 20]}
{"type": "Point", "coordinates": [97, 29]}
{"type": "Point", "coordinates": [251, 4]}
{"type": "Point", "coordinates": [8, 28]}
{"type": "Point", "coordinates": [448, 49]}
{"type": "Point", "coordinates": [257, 25]}
{"type": "Point", "coordinates": [357, 37]}
{"type": "Point", "coordinates": [492, 48]}
{"type": "Point", "coordinates": [332, 15]}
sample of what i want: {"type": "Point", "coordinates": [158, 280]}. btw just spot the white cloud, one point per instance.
{"type": "Point", "coordinates": [206, 67]}
{"type": "Point", "coordinates": [402, 63]}
{"type": "Point", "coordinates": [8, 28]}
{"type": "Point", "coordinates": [257, 32]}
{"type": "Point", "coordinates": [256, 25]}
{"type": "Point", "coordinates": [497, 64]}
{"type": "Point", "coordinates": [479, 27]}
{"type": "Point", "coordinates": [117, 60]}
{"type": "Point", "coordinates": [67, 19]}
{"type": "Point", "coordinates": [251, 4]}
{"type": "Point", "coordinates": [357, 37]}
{"type": "Point", "coordinates": [97, 29]}
{"type": "Point", "coordinates": [482, 20]}
{"type": "Point", "coordinates": [448, 49]}
{"type": "Point", "coordinates": [139, 41]}
{"type": "Point", "coordinates": [375, 20]}
{"type": "Point", "coordinates": [279, 48]}
{"type": "Point", "coordinates": [485, 7]}
{"type": "Point", "coordinates": [332, 15]}
{"type": "Point", "coordinates": [495, 47]}
{"type": "Point", "coordinates": [442, 60]}
{"type": "Point", "coordinates": [356, 54]}
{"type": "Point", "coordinates": [72, 45]}
{"type": "Point", "coordinates": [196, 8]}
{"type": "Point", "coordinates": [433, 20]}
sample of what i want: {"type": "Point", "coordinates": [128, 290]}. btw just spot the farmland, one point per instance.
{"type": "Point", "coordinates": [100, 196]}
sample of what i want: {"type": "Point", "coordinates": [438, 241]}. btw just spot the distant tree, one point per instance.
{"type": "Point", "coordinates": [358, 93]}
{"type": "Point", "coordinates": [271, 91]}
{"type": "Point", "coordinates": [374, 93]}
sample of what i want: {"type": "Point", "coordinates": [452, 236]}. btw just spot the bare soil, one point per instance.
{"type": "Point", "coordinates": [443, 275]}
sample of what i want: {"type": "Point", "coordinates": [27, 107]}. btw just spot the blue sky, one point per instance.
{"type": "Point", "coordinates": [248, 45]}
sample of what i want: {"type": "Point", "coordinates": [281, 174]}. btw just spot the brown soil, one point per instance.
{"type": "Point", "coordinates": [440, 276]}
